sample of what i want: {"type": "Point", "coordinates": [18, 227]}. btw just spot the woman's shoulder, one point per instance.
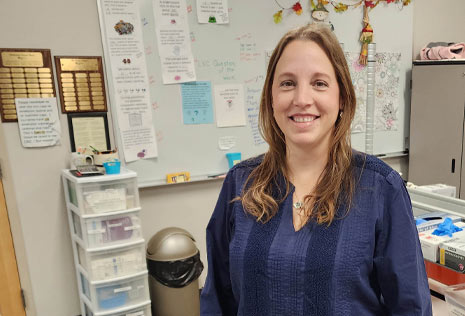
{"type": "Point", "coordinates": [248, 164]}
{"type": "Point", "coordinates": [368, 165]}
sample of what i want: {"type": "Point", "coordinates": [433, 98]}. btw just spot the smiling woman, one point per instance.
{"type": "Point", "coordinates": [312, 227]}
{"type": "Point", "coordinates": [305, 96]}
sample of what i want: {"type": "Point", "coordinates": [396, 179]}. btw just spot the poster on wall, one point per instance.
{"type": "Point", "coordinates": [174, 41]}
{"type": "Point", "coordinates": [122, 33]}
{"type": "Point", "coordinates": [212, 11]}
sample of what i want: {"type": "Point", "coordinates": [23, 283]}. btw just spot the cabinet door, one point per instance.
{"type": "Point", "coordinates": [436, 124]}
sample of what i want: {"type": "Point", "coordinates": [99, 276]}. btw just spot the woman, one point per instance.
{"type": "Point", "coordinates": [312, 227]}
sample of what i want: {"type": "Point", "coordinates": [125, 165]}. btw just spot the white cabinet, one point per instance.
{"type": "Point", "coordinates": [437, 123]}
{"type": "Point", "coordinates": [108, 247]}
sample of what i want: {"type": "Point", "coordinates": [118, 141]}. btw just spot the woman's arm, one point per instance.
{"type": "Point", "coordinates": [398, 258]}
{"type": "Point", "coordinates": [217, 297]}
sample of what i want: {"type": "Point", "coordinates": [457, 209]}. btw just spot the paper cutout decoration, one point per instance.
{"type": "Point", "coordinates": [278, 16]}
{"type": "Point", "coordinates": [366, 35]}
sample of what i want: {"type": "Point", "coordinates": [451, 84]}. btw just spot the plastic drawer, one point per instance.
{"type": "Point", "coordinates": [139, 311]}
{"type": "Point", "coordinates": [99, 265]}
{"type": "Point", "coordinates": [115, 295]}
{"type": "Point", "coordinates": [108, 229]}
{"type": "Point", "coordinates": [102, 197]}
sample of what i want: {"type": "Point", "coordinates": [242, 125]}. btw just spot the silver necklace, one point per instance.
{"type": "Point", "coordinates": [298, 205]}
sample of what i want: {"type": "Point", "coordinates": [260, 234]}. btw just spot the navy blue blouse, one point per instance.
{"type": "Point", "coordinates": [368, 262]}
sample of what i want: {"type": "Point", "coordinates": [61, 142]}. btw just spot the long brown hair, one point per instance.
{"type": "Point", "coordinates": [336, 183]}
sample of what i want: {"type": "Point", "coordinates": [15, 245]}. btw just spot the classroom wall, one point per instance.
{"type": "Point", "coordinates": [437, 21]}
{"type": "Point", "coordinates": [32, 176]}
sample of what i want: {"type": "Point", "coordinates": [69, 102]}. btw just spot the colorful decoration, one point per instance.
{"type": "Point", "coordinates": [297, 8]}
{"type": "Point", "coordinates": [366, 37]}
{"type": "Point", "coordinates": [367, 32]}
{"type": "Point", "coordinates": [278, 16]}
{"type": "Point", "coordinates": [320, 13]}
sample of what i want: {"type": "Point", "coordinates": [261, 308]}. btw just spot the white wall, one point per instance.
{"type": "Point", "coordinates": [32, 176]}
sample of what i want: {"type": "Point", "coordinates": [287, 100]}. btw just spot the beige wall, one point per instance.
{"type": "Point", "coordinates": [32, 176]}
{"type": "Point", "coordinates": [437, 21]}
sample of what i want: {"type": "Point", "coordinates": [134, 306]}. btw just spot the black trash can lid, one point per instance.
{"type": "Point", "coordinates": [171, 244]}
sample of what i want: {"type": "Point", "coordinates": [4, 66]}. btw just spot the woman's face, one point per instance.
{"type": "Point", "coordinates": [305, 96]}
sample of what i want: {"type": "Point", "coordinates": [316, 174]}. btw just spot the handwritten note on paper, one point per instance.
{"type": "Point", "coordinates": [38, 122]}
{"type": "Point", "coordinates": [197, 107]}
{"type": "Point", "coordinates": [213, 11]}
{"type": "Point", "coordinates": [227, 142]}
{"type": "Point", "coordinates": [229, 104]}
{"type": "Point", "coordinates": [252, 103]}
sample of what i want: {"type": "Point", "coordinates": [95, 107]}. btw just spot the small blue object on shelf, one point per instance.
{"type": "Point", "coordinates": [446, 228]}
{"type": "Point", "coordinates": [233, 158]}
{"type": "Point", "coordinates": [112, 167]}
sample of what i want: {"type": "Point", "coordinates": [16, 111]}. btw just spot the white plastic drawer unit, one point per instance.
{"type": "Point", "coordinates": [100, 264]}
{"type": "Point", "coordinates": [143, 310]}
{"type": "Point", "coordinates": [101, 194]}
{"type": "Point", "coordinates": [106, 230]}
{"type": "Point", "coordinates": [116, 295]}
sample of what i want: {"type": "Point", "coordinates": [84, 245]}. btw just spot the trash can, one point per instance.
{"type": "Point", "coordinates": [174, 266]}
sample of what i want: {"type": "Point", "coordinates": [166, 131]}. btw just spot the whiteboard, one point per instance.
{"type": "Point", "coordinates": [234, 53]}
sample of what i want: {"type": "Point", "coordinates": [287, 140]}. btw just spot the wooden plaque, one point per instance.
{"type": "Point", "coordinates": [81, 84]}
{"type": "Point", "coordinates": [24, 73]}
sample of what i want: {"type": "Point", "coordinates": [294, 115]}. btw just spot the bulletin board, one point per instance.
{"type": "Point", "coordinates": [235, 53]}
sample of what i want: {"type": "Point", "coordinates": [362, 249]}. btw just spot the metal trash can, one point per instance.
{"type": "Point", "coordinates": [174, 266]}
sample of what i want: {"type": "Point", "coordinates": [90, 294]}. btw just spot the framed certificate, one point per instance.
{"type": "Point", "coordinates": [89, 130]}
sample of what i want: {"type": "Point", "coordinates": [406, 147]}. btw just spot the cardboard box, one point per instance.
{"type": "Point", "coordinates": [430, 243]}
{"type": "Point", "coordinates": [452, 253]}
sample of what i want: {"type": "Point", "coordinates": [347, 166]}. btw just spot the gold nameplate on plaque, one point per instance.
{"type": "Point", "coordinates": [22, 59]}
{"type": "Point", "coordinates": [79, 64]}
{"type": "Point", "coordinates": [82, 74]}
{"type": "Point", "coordinates": [24, 69]}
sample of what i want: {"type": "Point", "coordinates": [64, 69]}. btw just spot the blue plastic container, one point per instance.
{"type": "Point", "coordinates": [233, 158]}
{"type": "Point", "coordinates": [112, 167]}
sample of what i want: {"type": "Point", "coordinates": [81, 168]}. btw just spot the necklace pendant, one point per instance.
{"type": "Point", "coordinates": [298, 205]}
